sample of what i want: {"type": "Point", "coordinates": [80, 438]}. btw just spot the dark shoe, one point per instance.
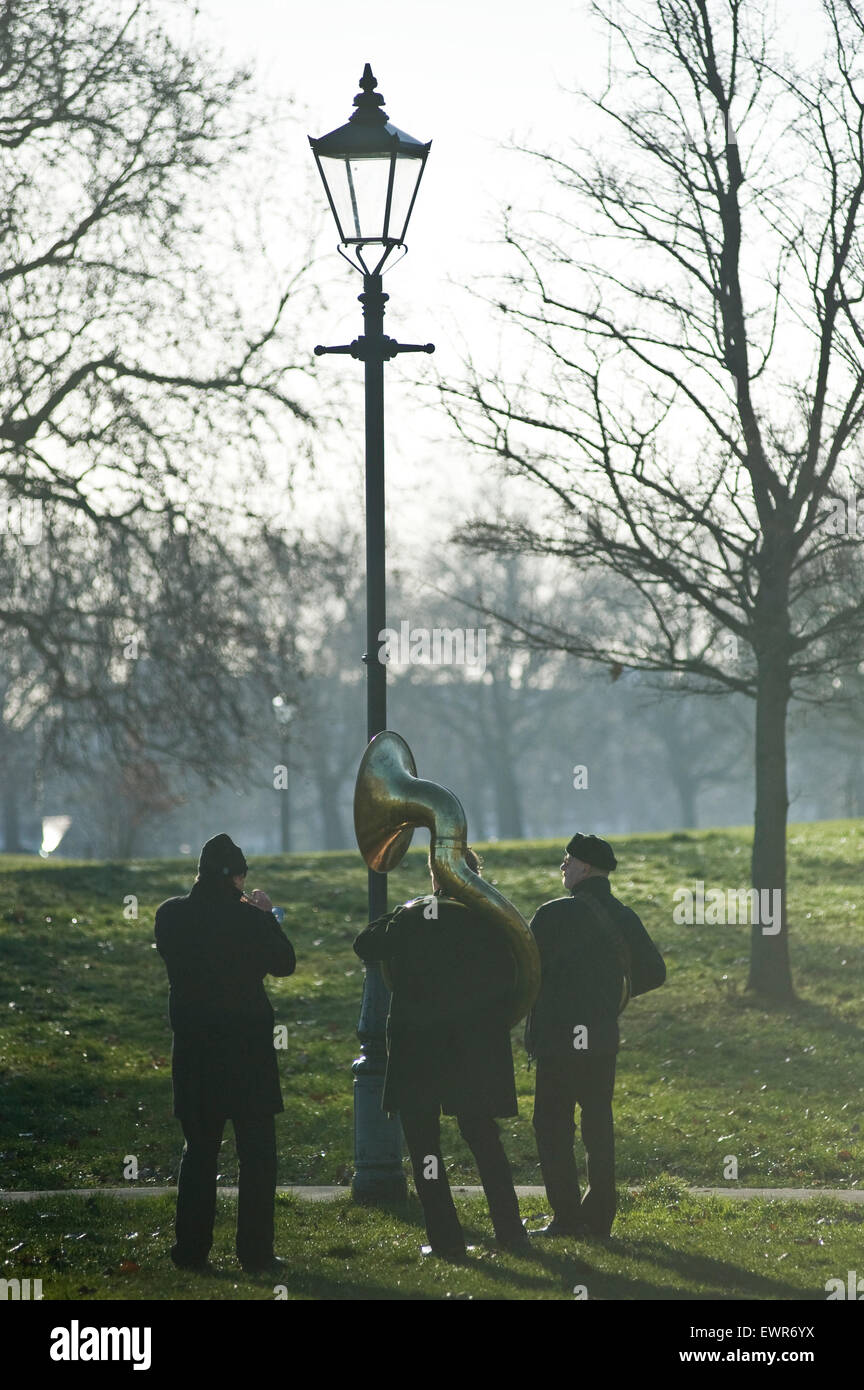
{"type": "Point", "coordinates": [197, 1266]}
{"type": "Point", "coordinates": [275, 1264]}
{"type": "Point", "coordinates": [454, 1253]}
{"type": "Point", "coordinates": [515, 1242]}
{"type": "Point", "coordinates": [557, 1228]}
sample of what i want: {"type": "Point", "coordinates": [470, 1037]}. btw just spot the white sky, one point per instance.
{"type": "Point", "coordinates": [464, 75]}
{"type": "Point", "coordinates": [470, 75]}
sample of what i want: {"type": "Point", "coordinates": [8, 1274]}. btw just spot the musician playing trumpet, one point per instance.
{"type": "Point", "coordinates": [448, 1050]}
{"type": "Point", "coordinates": [218, 945]}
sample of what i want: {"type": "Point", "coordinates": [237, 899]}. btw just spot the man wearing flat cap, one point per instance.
{"type": "Point", "coordinates": [595, 954]}
{"type": "Point", "coordinates": [217, 946]}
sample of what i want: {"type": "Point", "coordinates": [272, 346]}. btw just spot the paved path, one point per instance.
{"type": "Point", "coordinates": [327, 1194]}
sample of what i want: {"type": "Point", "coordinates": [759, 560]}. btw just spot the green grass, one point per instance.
{"type": "Point", "coordinates": [667, 1246]}
{"type": "Point", "coordinates": [705, 1070]}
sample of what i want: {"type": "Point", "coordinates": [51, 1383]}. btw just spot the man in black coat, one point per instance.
{"type": "Point", "coordinates": [448, 1049]}
{"type": "Point", "coordinates": [594, 954]}
{"type": "Point", "coordinates": [217, 946]}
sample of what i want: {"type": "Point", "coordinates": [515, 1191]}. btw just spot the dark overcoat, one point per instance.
{"type": "Point", "coordinates": [448, 1033]}
{"type": "Point", "coordinates": [582, 969]}
{"type": "Point", "coordinates": [217, 951]}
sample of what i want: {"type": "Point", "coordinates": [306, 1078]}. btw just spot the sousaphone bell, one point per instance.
{"type": "Point", "coordinates": [390, 802]}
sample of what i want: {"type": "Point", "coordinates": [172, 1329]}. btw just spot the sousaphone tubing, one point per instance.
{"type": "Point", "coordinates": [390, 802]}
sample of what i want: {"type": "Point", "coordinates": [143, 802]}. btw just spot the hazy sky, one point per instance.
{"type": "Point", "coordinates": [464, 75]}
{"type": "Point", "coordinates": [467, 76]}
{"type": "Point", "coordinates": [470, 75]}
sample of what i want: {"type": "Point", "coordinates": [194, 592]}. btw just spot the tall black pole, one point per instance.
{"type": "Point", "coordinates": [285, 798]}
{"type": "Point", "coordinates": [373, 300]}
{"type": "Point", "coordinates": [378, 1173]}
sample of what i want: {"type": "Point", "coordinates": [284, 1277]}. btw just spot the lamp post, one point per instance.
{"type": "Point", "coordinates": [371, 172]}
{"type": "Point", "coordinates": [284, 710]}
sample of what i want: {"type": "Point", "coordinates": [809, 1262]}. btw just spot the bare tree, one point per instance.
{"type": "Point", "coordinates": [489, 716]}
{"type": "Point", "coordinates": [173, 642]}
{"type": "Point", "coordinates": [146, 375]}
{"type": "Point", "coordinates": [693, 385]}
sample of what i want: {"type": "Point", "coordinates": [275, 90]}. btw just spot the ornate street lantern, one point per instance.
{"type": "Point", "coordinates": [371, 172]}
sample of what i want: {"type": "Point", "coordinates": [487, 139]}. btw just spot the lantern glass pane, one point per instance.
{"type": "Point", "coordinates": [404, 183]}
{"type": "Point", "coordinates": [358, 188]}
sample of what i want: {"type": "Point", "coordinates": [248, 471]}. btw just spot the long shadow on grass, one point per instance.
{"type": "Point", "coordinates": [534, 1274]}
{"type": "Point", "coordinates": [719, 1275]}
{"type": "Point", "coordinates": [576, 1270]}
{"type": "Point", "coordinates": [826, 1018]}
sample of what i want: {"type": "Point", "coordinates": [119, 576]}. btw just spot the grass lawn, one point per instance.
{"type": "Point", "coordinates": [705, 1071]}
{"type": "Point", "coordinates": [667, 1245]}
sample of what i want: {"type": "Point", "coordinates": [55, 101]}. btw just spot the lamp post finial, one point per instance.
{"type": "Point", "coordinates": [368, 101]}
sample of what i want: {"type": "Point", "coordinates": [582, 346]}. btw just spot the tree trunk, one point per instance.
{"type": "Point", "coordinates": [769, 953]}
{"type": "Point", "coordinates": [671, 727]}
{"type": "Point", "coordinates": [508, 801]}
{"type": "Point", "coordinates": [482, 822]}
{"type": "Point", "coordinates": [331, 815]}
{"type": "Point", "coordinates": [508, 798]}
{"type": "Point", "coordinates": [11, 815]}
{"type": "Point", "coordinates": [687, 788]}
{"type": "Point", "coordinates": [284, 794]}
{"type": "Point", "coordinates": [285, 818]}
{"type": "Point", "coordinates": [852, 787]}
{"type": "Point", "coordinates": [126, 831]}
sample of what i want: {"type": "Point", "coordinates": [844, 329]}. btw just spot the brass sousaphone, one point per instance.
{"type": "Point", "coordinates": [390, 802]}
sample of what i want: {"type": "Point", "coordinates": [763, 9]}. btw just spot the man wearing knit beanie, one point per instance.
{"type": "Point", "coordinates": [595, 954]}
{"type": "Point", "coordinates": [221, 858]}
{"type": "Point", "coordinates": [218, 945]}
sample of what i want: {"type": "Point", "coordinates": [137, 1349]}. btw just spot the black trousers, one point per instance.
{"type": "Point", "coordinates": [562, 1084]}
{"type": "Point", "coordinates": [421, 1125]}
{"type": "Point", "coordinates": [255, 1137]}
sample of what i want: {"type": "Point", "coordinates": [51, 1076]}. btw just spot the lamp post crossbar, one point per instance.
{"type": "Point", "coordinates": [361, 349]}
